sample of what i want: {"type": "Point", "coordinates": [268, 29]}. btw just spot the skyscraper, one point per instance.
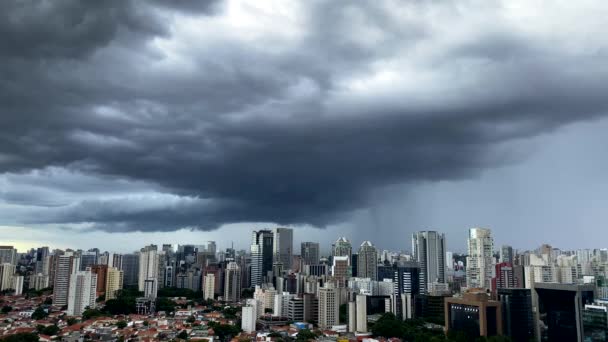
{"type": "Point", "coordinates": [480, 259]}
{"type": "Point", "coordinates": [342, 247]}
{"type": "Point", "coordinates": [64, 269]}
{"type": "Point", "coordinates": [114, 282]}
{"type": "Point", "coordinates": [8, 254]}
{"type": "Point", "coordinates": [102, 273]}
{"type": "Point", "coordinates": [42, 260]}
{"type": "Point", "coordinates": [82, 292]}
{"type": "Point", "coordinates": [329, 306]}
{"type": "Point", "coordinates": [517, 316]}
{"type": "Point", "coordinates": [505, 278]}
{"type": "Point", "coordinates": [7, 270]}
{"type": "Point", "coordinates": [367, 260]}
{"type": "Point", "coordinates": [506, 254]}
{"type": "Point", "coordinates": [428, 248]}
{"type": "Point", "coordinates": [148, 266]}
{"type": "Point", "coordinates": [209, 286]}
{"type": "Point", "coordinates": [130, 268]}
{"type": "Point", "coordinates": [261, 255]}
{"type": "Point", "coordinates": [309, 252]}
{"type": "Point", "coordinates": [88, 259]}
{"type": "Point", "coordinates": [232, 287]}
{"type": "Point", "coordinates": [282, 248]}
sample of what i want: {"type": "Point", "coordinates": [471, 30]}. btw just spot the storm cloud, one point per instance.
{"type": "Point", "coordinates": [137, 115]}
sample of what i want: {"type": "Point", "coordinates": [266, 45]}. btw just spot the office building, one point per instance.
{"type": "Point", "coordinates": [428, 249]}
{"type": "Point", "coordinates": [340, 269]}
{"type": "Point", "coordinates": [8, 255]}
{"type": "Point", "coordinates": [560, 308]}
{"type": "Point", "coordinates": [342, 247]}
{"type": "Point", "coordinates": [282, 248]}
{"type": "Point", "coordinates": [367, 260]}
{"type": "Point", "coordinates": [262, 246]}
{"type": "Point", "coordinates": [480, 259]}
{"type": "Point", "coordinates": [209, 286]}
{"type": "Point", "coordinates": [7, 270]}
{"type": "Point", "coordinates": [517, 315]}
{"type": "Point", "coordinates": [88, 259]}
{"type": "Point", "coordinates": [114, 282]}
{"type": "Point", "coordinates": [595, 321]}
{"type": "Point", "coordinates": [329, 306]}
{"type": "Point", "coordinates": [64, 268]}
{"type": "Point", "coordinates": [506, 254]}
{"type": "Point", "coordinates": [82, 292]}
{"type": "Point", "coordinates": [42, 261]}
{"type": "Point", "coordinates": [430, 307]}
{"type": "Point", "coordinates": [309, 252]}
{"type": "Point", "coordinates": [148, 268]}
{"type": "Point", "coordinates": [232, 287]}
{"type": "Point", "coordinates": [405, 277]}
{"type": "Point", "coordinates": [504, 277]}
{"type": "Point", "coordinates": [130, 268]}
{"type": "Point", "coordinates": [474, 314]}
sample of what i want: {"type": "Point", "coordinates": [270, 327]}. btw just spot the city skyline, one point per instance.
{"type": "Point", "coordinates": [366, 120]}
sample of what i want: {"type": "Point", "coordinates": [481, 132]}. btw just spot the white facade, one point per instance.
{"type": "Point", "coordinates": [480, 259]}
{"type": "Point", "coordinates": [429, 250]}
{"type": "Point", "coordinates": [232, 288]}
{"type": "Point", "coordinates": [82, 292]}
{"type": "Point", "coordinates": [62, 279]}
{"type": "Point", "coordinates": [17, 285]}
{"type": "Point", "coordinates": [367, 261]}
{"type": "Point", "coordinates": [361, 304]}
{"type": "Point", "coordinates": [148, 269]}
{"type": "Point", "coordinates": [329, 306]}
{"type": "Point", "coordinates": [209, 286]}
{"type": "Point", "coordinates": [7, 270]}
{"type": "Point", "coordinates": [248, 319]}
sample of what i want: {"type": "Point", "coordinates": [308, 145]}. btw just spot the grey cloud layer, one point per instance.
{"type": "Point", "coordinates": [293, 125]}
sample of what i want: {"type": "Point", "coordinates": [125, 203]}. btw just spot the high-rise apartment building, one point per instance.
{"type": "Point", "coordinates": [114, 282]}
{"type": "Point", "coordinates": [309, 252]}
{"type": "Point", "coordinates": [8, 254]}
{"type": "Point", "coordinates": [102, 272]}
{"type": "Point", "coordinates": [282, 249]}
{"type": "Point", "coordinates": [262, 246]}
{"type": "Point", "coordinates": [148, 267]}
{"type": "Point", "coordinates": [64, 268]}
{"type": "Point", "coordinates": [429, 250]}
{"type": "Point", "coordinates": [42, 260]}
{"type": "Point", "coordinates": [209, 286]}
{"type": "Point", "coordinates": [82, 292]}
{"type": "Point", "coordinates": [232, 283]}
{"type": "Point", "coordinates": [367, 261]}
{"type": "Point", "coordinates": [329, 306]}
{"type": "Point", "coordinates": [7, 270]}
{"type": "Point", "coordinates": [480, 259]}
{"type": "Point", "coordinates": [504, 277]}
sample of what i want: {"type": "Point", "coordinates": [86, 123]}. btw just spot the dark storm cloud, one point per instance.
{"type": "Point", "coordinates": [288, 127]}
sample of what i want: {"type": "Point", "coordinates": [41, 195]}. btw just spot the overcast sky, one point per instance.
{"type": "Point", "coordinates": [128, 122]}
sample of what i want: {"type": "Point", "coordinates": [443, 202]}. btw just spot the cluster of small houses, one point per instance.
{"type": "Point", "coordinates": [159, 327]}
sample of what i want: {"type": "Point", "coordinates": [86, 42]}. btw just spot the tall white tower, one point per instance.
{"type": "Point", "coordinates": [480, 259]}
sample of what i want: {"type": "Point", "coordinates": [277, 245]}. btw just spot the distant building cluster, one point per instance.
{"type": "Point", "coordinates": [543, 295]}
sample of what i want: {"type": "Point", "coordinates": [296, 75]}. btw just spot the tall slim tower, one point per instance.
{"type": "Point", "coordinates": [367, 261]}
{"type": "Point", "coordinates": [64, 268]}
{"type": "Point", "coordinates": [82, 292]}
{"type": "Point", "coordinates": [148, 267]}
{"type": "Point", "coordinates": [261, 255]}
{"type": "Point", "coordinates": [232, 288]}
{"type": "Point", "coordinates": [329, 306]}
{"type": "Point", "coordinates": [114, 282]}
{"type": "Point", "coordinates": [130, 267]}
{"type": "Point", "coordinates": [342, 247]}
{"type": "Point", "coordinates": [282, 248]}
{"type": "Point", "coordinates": [428, 248]}
{"type": "Point", "coordinates": [309, 252]}
{"type": "Point", "coordinates": [480, 260]}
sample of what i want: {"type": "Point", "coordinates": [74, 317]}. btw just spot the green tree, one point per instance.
{"type": "Point", "coordinates": [343, 313]}
{"type": "Point", "coordinates": [183, 335]}
{"type": "Point", "coordinates": [39, 313]}
{"type": "Point", "coordinates": [91, 313]}
{"type": "Point", "coordinates": [230, 312]}
{"type": "Point", "coordinates": [71, 321]}
{"type": "Point", "coordinates": [305, 335]}
{"type": "Point", "coordinates": [190, 319]}
{"type": "Point", "coordinates": [21, 337]}
{"type": "Point", "coordinates": [50, 330]}
{"type": "Point", "coordinates": [121, 324]}
{"type": "Point", "coordinates": [224, 332]}
{"type": "Point", "coordinates": [6, 309]}
{"type": "Point", "coordinates": [165, 304]}
{"type": "Point", "coordinates": [388, 326]}
{"type": "Point", "coordinates": [146, 323]}
{"type": "Point", "coordinates": [247, 293]}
